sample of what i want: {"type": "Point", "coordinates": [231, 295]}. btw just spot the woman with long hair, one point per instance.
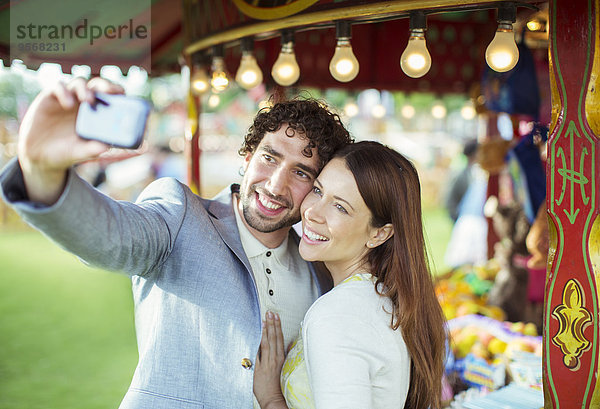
{"type": "Point", "coordinates": [377, 339]}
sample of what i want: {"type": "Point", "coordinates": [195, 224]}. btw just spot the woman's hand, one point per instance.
{"type": "Point", "coordinates": [269, 362]}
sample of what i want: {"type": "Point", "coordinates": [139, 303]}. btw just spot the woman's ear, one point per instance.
{"type": "Point", "coordinates": [380, 235]}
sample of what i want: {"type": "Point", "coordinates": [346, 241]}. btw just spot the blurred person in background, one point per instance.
{"type": "Point", "coordinates": [460, 182]}
{"type": "Point", "coordinates": [465, 200]}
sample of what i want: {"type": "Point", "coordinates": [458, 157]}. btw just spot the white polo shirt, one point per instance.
{"type": "Point", "coordinates": [284, 283]}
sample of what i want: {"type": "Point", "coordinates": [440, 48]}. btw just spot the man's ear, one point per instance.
{"type": "Point", "coordinates": [380, 235]}
{"type": "Point", "coordinates": [247, 159]}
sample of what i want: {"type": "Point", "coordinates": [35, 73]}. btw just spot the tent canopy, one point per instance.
{"type": "Point", "coordinates": [456, 36]}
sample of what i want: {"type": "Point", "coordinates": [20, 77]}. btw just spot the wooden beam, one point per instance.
{"type": "Point", "coordinates": [374, 10]}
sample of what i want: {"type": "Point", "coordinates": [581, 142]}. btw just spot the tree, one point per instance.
{"type": "Point", "coordinates": [16, 93]}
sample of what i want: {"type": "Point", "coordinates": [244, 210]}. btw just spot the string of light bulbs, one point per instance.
{"type": "Point", "coordinates": [501, 55]}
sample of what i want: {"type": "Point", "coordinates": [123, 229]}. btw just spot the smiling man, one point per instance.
{"type": "Point", "coordinates": [277, 177]}
{"type": "Point", "coordinates": [203, 272]}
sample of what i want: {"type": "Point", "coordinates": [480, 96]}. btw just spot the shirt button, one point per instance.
{"type": "Point", "coordinates": [268, 254]}
{"type": "Point", "coordinates": [268, 271]}
{"type": "Point", "coordinates": [270, 292]}
{"type": "Point", "coordinates": [246, 363]}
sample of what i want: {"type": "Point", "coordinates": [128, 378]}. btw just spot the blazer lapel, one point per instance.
{"type": "Point", "coordinates": [224, 221]}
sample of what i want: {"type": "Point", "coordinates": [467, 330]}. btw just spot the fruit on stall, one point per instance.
{"type": "Point", "coordinates": [463, 291]}
{"type": "Point", "coordinates": [518, 344]}
{"type": "Point", "coordinates": [530, 329]}
{"type": "Point", "coordinates": [496, 346]}
{"type": "Point", "coordinates": [487, 338]}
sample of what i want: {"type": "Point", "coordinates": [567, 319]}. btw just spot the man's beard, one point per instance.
{"type": "Point", "coordinates": [260, 222]}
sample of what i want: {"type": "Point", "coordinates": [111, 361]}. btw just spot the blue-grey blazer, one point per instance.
{"type": "Point", "coordinates": [197, 316]}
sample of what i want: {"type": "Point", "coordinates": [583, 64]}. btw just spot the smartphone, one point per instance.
{"type": "Point", "coordinates": [116, 120]}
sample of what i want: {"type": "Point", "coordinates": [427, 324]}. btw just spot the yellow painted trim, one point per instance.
{"type": "Point", "coordinates": [592, 113]}
{"type": "Point", "coordinates": [592, 98]}
{"type": "Point", "coordinates": [379, 10]}
{"type": "Point", "coordinates": [271, 13]}
{"type": "Point", "coordinates": [555, 96]}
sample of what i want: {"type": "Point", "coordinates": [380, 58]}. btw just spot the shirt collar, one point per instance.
{"type": "Point", "coordinates": [252, 246]}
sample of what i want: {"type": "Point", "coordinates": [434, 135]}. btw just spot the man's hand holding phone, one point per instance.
{"type": "Point", "coordinates": [48, 142]}
{"type": "Point", "coordinates": [116, 120]}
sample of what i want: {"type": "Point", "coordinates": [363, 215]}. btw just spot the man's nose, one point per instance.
{"type": "Point", "coordinates": [277, 182]}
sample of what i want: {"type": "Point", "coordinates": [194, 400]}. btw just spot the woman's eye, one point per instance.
{"type": "Point", "coordinates": [316, 190]}
{"type": "Point", "coordinates": [341, 208]}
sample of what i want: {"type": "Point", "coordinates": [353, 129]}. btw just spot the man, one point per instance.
{"type": "Point", "coordinates": [204, 272]}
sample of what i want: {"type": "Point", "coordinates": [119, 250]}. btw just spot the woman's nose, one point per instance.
{"type": "Point", "coordinates": [314, 212]}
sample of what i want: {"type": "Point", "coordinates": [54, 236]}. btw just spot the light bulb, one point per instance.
{"type": "Point", "coordinates": [415, 60]}
{"type": "Point", "coordinates": [536, 25]}
{"type": "Point", "coordinates": [286, 71]}
{"type": "Point", "coordinates": [344, 65]}
{"type": "Point", "coordinates": [378, 111]}
{"type": "Point", "coordinates": [438, 110]}
{"type": "Point", "coordinates": [468, 112]}
{"type": "Point", "coordinates": [219, 80]}
{"type": "Point", "coordinates": [248, 74]}
{"type": "Point", "coordinates": [408, 111]}
{"type": "Point", "coordinates": [214, 101]}
{"type": "Point", "coordinates": [351, 109]}
{"type": "Point", "coordinates": [502, 53]}
{"type": "Point", "coordinates": [200, 82]}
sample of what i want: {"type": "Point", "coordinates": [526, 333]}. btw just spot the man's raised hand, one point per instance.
{"type": "Point", "coordinates": [48, 145]}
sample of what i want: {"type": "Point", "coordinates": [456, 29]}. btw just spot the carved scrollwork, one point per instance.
{"type": "Point", "coordinates": [573, 319]}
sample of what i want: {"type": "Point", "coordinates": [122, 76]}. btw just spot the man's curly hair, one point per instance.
{"type": "Point", "coordinates": [309, 117]}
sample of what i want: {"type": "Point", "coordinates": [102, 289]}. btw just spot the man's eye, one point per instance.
{"type": "Point", "coordinates": [268, 158]}
{"type": "Point", "coordinates": [302, 174]}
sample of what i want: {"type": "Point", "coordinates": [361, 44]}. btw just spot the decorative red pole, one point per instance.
{"type": "Point", "coordinates": [192, 139]}
{"type": "Point", "coordinates": [571, 327]}
{"type": "Point", "coordinates": [192, 126]}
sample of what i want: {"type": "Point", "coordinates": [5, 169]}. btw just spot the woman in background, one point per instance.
{"type": "Point", "coordinates": [377, 339]}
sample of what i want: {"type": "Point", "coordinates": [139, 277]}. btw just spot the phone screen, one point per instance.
{"type": "Point", "coordinates": [116, 120]}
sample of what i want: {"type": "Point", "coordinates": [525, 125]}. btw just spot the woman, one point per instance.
{"type": "Point", "coordinates": [377, 340]}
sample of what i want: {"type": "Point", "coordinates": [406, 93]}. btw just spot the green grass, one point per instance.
{"type": "Point", "coordinates": [438, 227]}
{"type": "Point", "coordinates": [66, 331]}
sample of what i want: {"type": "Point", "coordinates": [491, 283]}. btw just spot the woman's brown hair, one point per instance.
{"type": "Point", "coordinates": [389, 185]}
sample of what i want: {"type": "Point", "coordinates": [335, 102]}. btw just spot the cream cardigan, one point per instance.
{"type": "Point", "coordinates": [349, 356]}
